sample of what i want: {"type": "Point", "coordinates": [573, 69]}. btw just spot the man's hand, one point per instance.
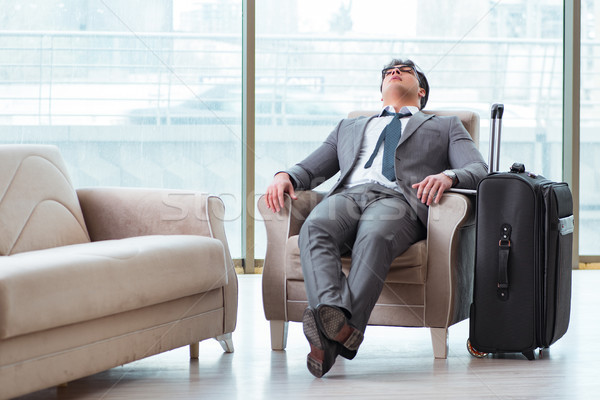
{"type": "Point", "coordinates": [274, 195]}
{"type": "Point", "coordinates": [432, 187]}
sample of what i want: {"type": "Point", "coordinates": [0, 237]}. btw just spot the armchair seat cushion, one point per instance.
{"type": "Point", "coordinates": [55, 287]}
{"type": "Point", "coordinates": [410, 267]}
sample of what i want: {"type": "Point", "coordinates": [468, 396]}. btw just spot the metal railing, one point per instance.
{"type": "Point", "coordinates": [127, 98]}
{"type": "Point", "coordinates": [99, 78]}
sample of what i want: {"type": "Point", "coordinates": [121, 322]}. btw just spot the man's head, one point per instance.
{"type": "Point", "coordinates": [398, 67]}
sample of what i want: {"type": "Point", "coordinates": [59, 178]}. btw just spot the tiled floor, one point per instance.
{"type": "Point", "coordinates": [392, 363]}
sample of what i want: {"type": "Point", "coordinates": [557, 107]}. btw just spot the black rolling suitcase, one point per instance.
{"type": "Point", "coordinates": [522, 285]}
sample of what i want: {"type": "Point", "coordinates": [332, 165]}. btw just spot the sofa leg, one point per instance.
{"type": "Point", "coordinates": [226, 342]}
{"type": "Point", "coordinates": [439, 339]}
{"type": "Point", "coordinates": [194, 350]}
{"type": "Point", "coordinates": [279, 333]}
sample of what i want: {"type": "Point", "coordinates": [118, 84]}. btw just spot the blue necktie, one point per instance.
{"type": "Point", "coordinates": [390, 136]}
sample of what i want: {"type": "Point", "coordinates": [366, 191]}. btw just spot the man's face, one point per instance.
{"type": "Point", "coordinates": [401, 76]}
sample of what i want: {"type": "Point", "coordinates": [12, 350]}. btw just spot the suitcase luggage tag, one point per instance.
{"type": "Point", "coordinates": [566, 225]}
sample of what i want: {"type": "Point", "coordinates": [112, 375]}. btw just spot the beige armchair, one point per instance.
{"type": "Point", "coordinates": [430, 285]}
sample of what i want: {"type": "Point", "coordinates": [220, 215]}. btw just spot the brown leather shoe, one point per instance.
{"type": "Point", "coordinates": [344, 352]}
{"type": "Point", "coordinates": [333, 323]}
{"type": "Point", "coordinates": [323, 351]}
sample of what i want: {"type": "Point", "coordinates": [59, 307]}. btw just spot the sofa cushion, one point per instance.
{"type": "Point", "coordinates": [410, 267]}
{"type": "Point", "coordinates": [38, 205]}
{"type": "Point", "coordinates": [54, 287]}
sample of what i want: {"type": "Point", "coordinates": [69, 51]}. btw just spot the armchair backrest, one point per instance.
{"type": "Point", "coordinates": [469, 119]}
{"type": "Point", "coordinates": [39, 208]}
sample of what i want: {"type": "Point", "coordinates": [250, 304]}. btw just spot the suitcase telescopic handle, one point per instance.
{"type": "Point", "coordinates": [497, 111]}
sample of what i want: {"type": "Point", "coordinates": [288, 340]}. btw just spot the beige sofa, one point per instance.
{"type": "Point", "coordinates": [97, 278]}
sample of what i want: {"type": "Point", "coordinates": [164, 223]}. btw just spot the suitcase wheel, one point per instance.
{"type": "Point", "coordinates": [474, 352]}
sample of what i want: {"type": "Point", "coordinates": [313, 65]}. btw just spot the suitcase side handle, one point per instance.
{"type": "Point", "coordinates": [503, 253]}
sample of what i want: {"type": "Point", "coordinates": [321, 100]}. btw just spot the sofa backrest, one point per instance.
{"type": "Point", "coordinates": [39, 208]}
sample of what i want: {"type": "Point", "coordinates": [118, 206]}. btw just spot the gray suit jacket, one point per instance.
{"type": "Point", "coordinates": [429, 145]}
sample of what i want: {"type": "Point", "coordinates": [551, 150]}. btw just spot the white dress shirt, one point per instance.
{"type": "Point", "coordinates": [361, 175]}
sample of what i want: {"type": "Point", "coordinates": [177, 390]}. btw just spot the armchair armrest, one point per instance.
{"type": "Point", "coordinates": [280, 226]}
{"type": "Point", "coordinates": [451, 258]}
{"type": "Point", "coordinates": [470, 192]}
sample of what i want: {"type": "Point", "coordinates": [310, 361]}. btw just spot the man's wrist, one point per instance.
{"type": "Point", "coordinates": [287, 176]}
{"type": "Point", "coordinates": [452, 175]}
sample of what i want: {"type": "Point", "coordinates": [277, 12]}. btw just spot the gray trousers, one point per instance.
{"type": "Point", "coordinates": [372, 223]}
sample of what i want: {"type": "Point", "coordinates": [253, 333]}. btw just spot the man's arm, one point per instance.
{"type": "Point", "coordinates": [465, 161]}
{"type": "Point", "coordinates": [315, 169]}
{"type": "Point", "coordinates": [321, 164]}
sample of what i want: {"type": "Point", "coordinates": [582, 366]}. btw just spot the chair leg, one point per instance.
{"type": "Point", "coordinates": [194, 350]}
{"type": "Point", "coordinates": [279, 333]}
{"type": "Point", "coordinates": [226, 342]}
{"type": "Point", "coordinates": [439, 339]}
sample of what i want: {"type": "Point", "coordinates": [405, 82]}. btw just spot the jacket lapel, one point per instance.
{"type": "Point", "coordinates": [360, 127]}
{"type": "Point", "coordinates": [346, 160]}
{"type": "Point", "coordinates": [413, 124]}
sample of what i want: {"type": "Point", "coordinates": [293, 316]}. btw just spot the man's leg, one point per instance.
{"type": "Point", "coordinates": [387, 228]}
{"type": "Point", "coordinates": [382, 220]}
{"type": "Point", "coordinates": [324, 236]}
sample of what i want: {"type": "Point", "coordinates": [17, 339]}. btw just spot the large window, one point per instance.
{"type": "Point", "coordinates": [149, 93]}
{"type": "Point", "coordinates": [134, 93]}
{"type": "Point", "coordinates": [313, 68]}
{"type": "Point", "coordinates": [589, 208]}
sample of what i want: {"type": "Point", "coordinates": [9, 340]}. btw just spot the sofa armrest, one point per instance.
{"type": "Point", "coordinates": [116, 213]}
{"type": "Point", "coordinates": [279, 227]}
{"type": "Point", "coordinates": [451, 257]}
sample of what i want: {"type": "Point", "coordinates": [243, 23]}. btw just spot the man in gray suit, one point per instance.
{"type": "Point", "coordinates": [376, 210]}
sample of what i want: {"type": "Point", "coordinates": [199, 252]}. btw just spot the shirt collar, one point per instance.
{"type": "Point", "coordinates": [411, 109]}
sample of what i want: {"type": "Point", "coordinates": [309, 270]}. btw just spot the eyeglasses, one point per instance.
{"type": "Point", "coordinates": [403, 68]}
